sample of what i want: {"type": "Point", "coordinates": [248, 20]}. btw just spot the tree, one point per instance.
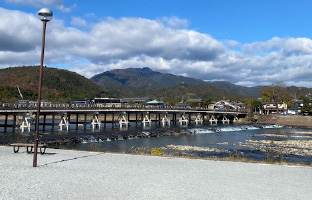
{"type": "Point", "coordinates": [171, 101]}
{"type": "Point", "coordinates": [131, 102]}
{"type": "Point", "coordinates": [276, 93]}
{"type": "Point", "coordinates": [207, 102]}
{"type": "Point", "coordinates": [256, 105]}
{"type": "Point", "coordinates": [306, 104]}
{"type": "Point", "coordinates": [248, 108]}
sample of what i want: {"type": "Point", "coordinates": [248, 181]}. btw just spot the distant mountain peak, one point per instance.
{"type": "Point", "coordinates": [147, 69]}
{"type": "Point", "coordinates": [141, 78]}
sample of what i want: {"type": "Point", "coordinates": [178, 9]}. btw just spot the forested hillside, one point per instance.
{"type": "Point", "coordinates": [58, 85]}
{"type": "Point", "coordinates": [175, 94]}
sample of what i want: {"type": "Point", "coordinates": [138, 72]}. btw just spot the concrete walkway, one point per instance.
{"type": "Point", "coordinates": [76, 175]}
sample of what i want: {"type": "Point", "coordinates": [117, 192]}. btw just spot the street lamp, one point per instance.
{"type": "Point", "coordinates": [45, 15]}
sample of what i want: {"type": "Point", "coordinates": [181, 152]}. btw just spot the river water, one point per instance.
{"type": "Point", "coordinates": [257, 142]}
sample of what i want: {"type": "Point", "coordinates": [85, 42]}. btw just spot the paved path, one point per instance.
{"type": "Point", "coordinates": [76, 175]}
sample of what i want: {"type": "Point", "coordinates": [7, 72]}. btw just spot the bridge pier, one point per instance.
{"type": "Point", "coordinates": [225, 120]}
{"type": "Point", "coordinates": [6, 117]}
{"type": "Point", "coordinates": [183, 120]}
{"type": "Point", "coordinates": [64, 122]}
{"type": "Point", "coordinates": [95, 122]}
{"type": "Point", "coordinates": [113, 120]}
{"type": "Point", "coordinates": [104, 120]}
{"type": "Point", "coordinates": [6, 122]}
{"type": "Point", "coordinates": [147, 119]}
{"type": "Point", "coordinates": [14, 123]}
{"type": "Point", "coordinates": [53, 121]}
{"type": "Point", "coordinates": [158, 118]}
{"type": "Point", "coordinates": [26, 123]}
{"type": "Point", "coordinates": [165, 120]}
{"type": "Point", "coordinates": [85, 121]}
{"type": "Point", "coordinates": [80, 120]}
{"type": "Point", "coordinates": [122, 120]}
{"type": "Point", "coordinates": [174, 116]}
{"type": "Point", "coordinates": [199, 119]}
{"type": "Point", "coordinates": [44, 122]}
{"type": "Point", "coordinates": [213, 119]}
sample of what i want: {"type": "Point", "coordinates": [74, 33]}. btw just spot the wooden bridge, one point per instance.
{"type": "Point", "coordinates": [93, 117]}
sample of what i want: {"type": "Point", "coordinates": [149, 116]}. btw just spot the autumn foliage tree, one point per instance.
{"type": "Point", "coordinates": [276, 93]}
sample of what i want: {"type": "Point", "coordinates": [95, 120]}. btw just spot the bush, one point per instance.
{"type": "Point", "coordinates": [157, 151]}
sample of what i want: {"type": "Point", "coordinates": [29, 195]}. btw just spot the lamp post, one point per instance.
{"type": "Point", "coordinates": [44, 15]}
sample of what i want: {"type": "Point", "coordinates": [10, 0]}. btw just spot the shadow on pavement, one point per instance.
{"type": "Point", "coordinates": [69, 159]}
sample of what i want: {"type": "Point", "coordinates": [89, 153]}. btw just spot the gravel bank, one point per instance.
{"type": "Point", "coordinates": [64, 174]}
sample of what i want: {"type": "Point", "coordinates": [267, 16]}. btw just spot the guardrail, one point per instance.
{"type": "Point", "coordinates": [12, 106]}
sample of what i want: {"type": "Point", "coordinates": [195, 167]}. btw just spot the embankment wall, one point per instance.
{"type": "Point", "coordinates": [290, 120]}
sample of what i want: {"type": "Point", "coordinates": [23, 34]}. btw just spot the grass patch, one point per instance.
{"type": "Point", "coordinates": [139, 150]}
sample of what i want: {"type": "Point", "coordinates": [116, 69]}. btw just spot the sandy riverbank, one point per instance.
{"type": "Point", "coordinates": [64, 174]}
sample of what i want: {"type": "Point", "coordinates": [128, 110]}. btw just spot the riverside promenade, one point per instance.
{"type": "Point", "coordinates": [65, 174]}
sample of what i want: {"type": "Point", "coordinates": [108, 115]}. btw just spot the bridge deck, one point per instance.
{"type": "Point", "coordinates": [119, 110]}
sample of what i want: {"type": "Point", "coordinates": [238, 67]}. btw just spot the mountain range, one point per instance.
{"type": "Point", "coordinates": [63, 85]}
{"type": "Point", "coordinates": [146, 78]}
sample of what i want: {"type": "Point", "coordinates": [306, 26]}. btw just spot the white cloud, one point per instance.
{"type": "Point", "coordinates": [59, 4]}
{"type": "Point", "coordinates": [78, 21]}
{"type": "Point", "coordinates": [175, 22]}
{"type": "Point", "coordinates": [138, 42]}
{"type": "Point", "coordinates": [18, 31]}
{"type": "Point", "coordinates": [232, 43]}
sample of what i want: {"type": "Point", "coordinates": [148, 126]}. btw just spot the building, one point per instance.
{"type": "Point", "coordinates": [296, 108]}
{"type": "Point", "coordinates": [80, 101]}
{"type": "Point", "coordinates": [270, 108]}
{"type": "Point", "coordinates": [228, 105]}
{"type": "Point", "coordinates": [211, 106]}
{"type": "Point", "coordinates": [155, 103]}
{"type": "Point", "coordinates": [142, 100]}
{"type": "Point", "coordinates": [107, 102]}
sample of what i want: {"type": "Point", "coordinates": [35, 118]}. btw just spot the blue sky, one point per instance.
{"type": "Point", "coordinates": [241, 20]}
{"type": "Point", "coordinates": [244, 42]}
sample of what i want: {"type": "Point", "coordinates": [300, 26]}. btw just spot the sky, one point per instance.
{"type": "Point", "coordinates": [245, 42]}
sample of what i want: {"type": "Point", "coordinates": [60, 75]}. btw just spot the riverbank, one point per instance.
{"type": "Point", "coordinates": [79, 136]}
{"type": "Point", "coordinates": [259, 143]}
{"type": "Point", "coordinates": [288, 120]}
{"type": "Point", "coordinates": [65, 174]}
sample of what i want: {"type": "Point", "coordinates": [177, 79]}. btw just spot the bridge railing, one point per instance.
{"type": "Point", "coordinates": [66, 106]}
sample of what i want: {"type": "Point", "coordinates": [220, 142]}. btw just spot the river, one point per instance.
{"type": "Point", "coordinates": [257, 142]}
